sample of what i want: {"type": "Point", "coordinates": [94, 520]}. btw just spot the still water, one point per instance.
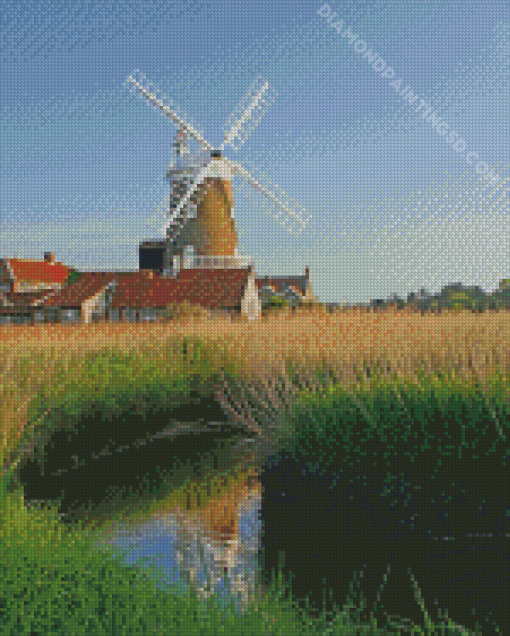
{"type": "Point", "coordinates": [218, 547]}
{"type": "Point", "coordinates": [215, 549]}
{"type": "Point", "coordinates": [455, 537]}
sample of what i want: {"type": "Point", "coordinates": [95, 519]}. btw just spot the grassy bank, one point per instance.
{"type": "Point", "coordinates": [56, 580]}
{"type": "Point", "coordinates": [438, 430]}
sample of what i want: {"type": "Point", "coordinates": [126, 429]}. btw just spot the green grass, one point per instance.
{"type": "Point", "coordinates": [442, 411]}
{"type": "Point", "coordinates": [58, 581]}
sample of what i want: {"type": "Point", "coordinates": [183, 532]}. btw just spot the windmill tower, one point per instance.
{"type": "Point", "coordinates": [201, 228]}
{"type": "Point", "coordinates": [209, 219]}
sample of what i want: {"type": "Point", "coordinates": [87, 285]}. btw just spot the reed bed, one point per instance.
{"type": "Point", "coordinates": [53, 359]}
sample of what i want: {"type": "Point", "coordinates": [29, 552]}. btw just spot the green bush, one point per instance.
{"type": "Point", "coordinates": [277, 302]}
{"type": "Point", "coordinates": [73, 277]}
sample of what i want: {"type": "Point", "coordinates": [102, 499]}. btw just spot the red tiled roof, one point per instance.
{"type": "Point", "coordinates": [205, 287]}
{"type": "Point", "coordinates": [216, 287]}
{"type": "Point", "coordinates": [38, 271]}
{"type": "Point", "coordinates": [89, 284]}
{"type": "Point", "coordinates": [141, 291]}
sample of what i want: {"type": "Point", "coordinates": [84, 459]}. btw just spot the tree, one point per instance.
{"type": "Point", "coordinates": [73, 276]}
{"type": "Point", "coordinates": [276, 303]}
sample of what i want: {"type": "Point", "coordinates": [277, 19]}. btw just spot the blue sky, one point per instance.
{"type": "Point", "coordinates": [393, 205]}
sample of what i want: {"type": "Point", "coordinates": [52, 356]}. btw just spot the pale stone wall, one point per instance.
{"type": "Point", "coordinates": [29, 286]}
{"type": "Point", "coordinates": [251, 305]}
{"type": "Point", "coordinates": [97, 304]}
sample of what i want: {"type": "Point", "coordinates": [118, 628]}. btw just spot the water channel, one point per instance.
{"type": "Point", "coordinates": [327, 525]}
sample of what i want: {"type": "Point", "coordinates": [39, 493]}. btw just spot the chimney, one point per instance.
{"type": "Point", "coordinates": [49, 257]}
{"type": "Point", "coordinates": [308, 284]}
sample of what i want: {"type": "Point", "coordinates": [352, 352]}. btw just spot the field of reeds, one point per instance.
{"type": "Point", "coordinates": [52, 374]}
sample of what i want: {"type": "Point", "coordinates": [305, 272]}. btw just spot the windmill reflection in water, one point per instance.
{"type": "Point", "coordinates": [208, 538]}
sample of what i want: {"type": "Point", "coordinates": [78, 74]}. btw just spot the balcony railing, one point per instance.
{"type": "Point", "coordinates": [212, 262]}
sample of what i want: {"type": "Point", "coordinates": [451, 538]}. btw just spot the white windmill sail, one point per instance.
{"type": "Point", "coordinates": [279, 201]}
{"type": "Point", "coordinates": [248, 113]}
{"type": "Point", "coordinates": [178, 117]}
{"type": "Point", "coordinates": [179, 217]}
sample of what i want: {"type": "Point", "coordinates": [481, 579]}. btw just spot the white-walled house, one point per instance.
{"type": "Point", "coordinates": [86, 300]}
{"type": "Point", "coordinates": [294, 288]}
{"type": "Point", "coordinates": [16, 308]}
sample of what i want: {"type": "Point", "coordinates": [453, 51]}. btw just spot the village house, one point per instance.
{"type": "Point", "coordinates": [22, 275]}
{"type": "Point", "coordinates": [83, 301]}
{"type": "Point", "coordinates": [21, 308]}
{"type": "Point", "coordinates": [139, 296]}
{"type": "Point", "coordinates": [145, 296]}
{"type": "Point", "coordinates": [86, 300]}
{"type": "Point", "coordinates": [294, 288]}
{"type": "Point", "coordinates": [25, 284]}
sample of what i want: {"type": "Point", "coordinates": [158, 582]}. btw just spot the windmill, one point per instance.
{"type": "Point", "coordinates": [201, 213]}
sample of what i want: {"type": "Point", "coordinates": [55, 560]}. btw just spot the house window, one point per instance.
{"type": "Point", "coordinates": [70, 315]}
{"type": "Point", "coordinates": [52, 314]}
{"type": "Point", "coordinates": [148, 314]}
{"type": "Point", "coordinates": [20, 319]}
{"type": "Point", "coordinates": [130, 314]}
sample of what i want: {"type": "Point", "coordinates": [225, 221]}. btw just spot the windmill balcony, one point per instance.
{"type": "Point", "coordinates": [215, 262]}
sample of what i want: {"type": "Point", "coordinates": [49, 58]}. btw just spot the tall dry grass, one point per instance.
{"type": "Point", "coordinates": [321, 347]}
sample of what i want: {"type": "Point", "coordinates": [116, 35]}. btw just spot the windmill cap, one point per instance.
{"type": "Point", "coordinates": [216, 154]}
